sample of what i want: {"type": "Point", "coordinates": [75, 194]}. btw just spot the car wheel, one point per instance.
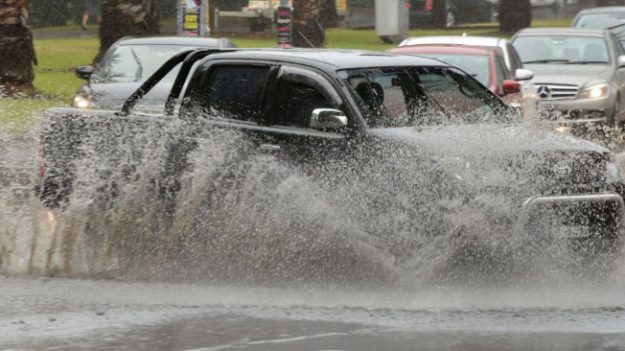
{"type": "Point", "coordinates": [450, 20]}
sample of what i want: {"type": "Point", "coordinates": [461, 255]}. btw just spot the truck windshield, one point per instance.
{"type": "Point", "coordinates": [421, 96]}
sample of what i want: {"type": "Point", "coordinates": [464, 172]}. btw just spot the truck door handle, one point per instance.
{"type": "Point", "coordinates": [269, 148]}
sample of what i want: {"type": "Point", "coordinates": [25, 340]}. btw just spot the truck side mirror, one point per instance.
{"type": "Point", "coordinates": [84, 72]}
{"type": "Point", "coordinates": [328, 119]}
{"type": "Point", "coordinates": [621, 61]}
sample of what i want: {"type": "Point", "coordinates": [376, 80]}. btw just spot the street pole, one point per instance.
{"type": "Point", "coordinates": [284, 24]}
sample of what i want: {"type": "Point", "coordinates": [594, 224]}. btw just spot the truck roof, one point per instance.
{"type": "Point", "coordinates": [333, 59]}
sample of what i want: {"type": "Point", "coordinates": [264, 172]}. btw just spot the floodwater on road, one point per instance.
{"type": "Point", "coordinates": [38, 313]}
{"type": "Point", "coordinates": [70, 314]}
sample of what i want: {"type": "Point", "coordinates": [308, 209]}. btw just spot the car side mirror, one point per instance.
{"type": "Point", "coordinates": [621, 61]}
{"type": "Point", "coordinates": [523, 74]}
{"type": "Point", "coordinates": [328, 119]}
{"type": "Point", "coordinates": [84, 72]}
{"type": "Point", "coordinates": [511, 87]}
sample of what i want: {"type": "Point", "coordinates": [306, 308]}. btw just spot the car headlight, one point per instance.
{"type": "Point", "coordinates": [595, 92]}
{"type": "Point", "coordinates": [613, 173]}
{"type": "Point", "coordinates": [82, 101]}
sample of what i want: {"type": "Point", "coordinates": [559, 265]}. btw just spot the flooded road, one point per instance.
{"type": "Point", "coordinates": [52, 314]}
{"type": "Point", "coordinates": [46, 312]}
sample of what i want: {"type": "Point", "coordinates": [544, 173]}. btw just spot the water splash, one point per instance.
{"type": "Point", "coordinates": [240, 216]}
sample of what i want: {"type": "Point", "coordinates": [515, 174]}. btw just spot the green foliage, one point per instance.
{"type": "Point", "coordinates": [57, 83]}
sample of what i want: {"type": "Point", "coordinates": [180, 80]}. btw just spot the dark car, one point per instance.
{"type": "Point", "coordinates": [128, 63]}
{"type": "Point", "coordinates": [457, 12]}
{"type": "Point", "coordinates": [403, 140]}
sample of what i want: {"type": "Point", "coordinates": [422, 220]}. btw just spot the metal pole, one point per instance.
{"type": "Point", "coordinates": [284, 24]}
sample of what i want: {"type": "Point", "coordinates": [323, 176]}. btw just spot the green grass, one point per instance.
{"type": "Point", "coordinates": [55, 79]}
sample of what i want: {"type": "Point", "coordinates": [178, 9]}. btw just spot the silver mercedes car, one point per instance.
{"type": "Point", "coordinates": [579, 74]}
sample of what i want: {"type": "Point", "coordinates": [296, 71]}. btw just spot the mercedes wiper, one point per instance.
{"type": "Point", "coordinates": [587, 63]}
{"type": "Point", "coordinates": [548, 61]}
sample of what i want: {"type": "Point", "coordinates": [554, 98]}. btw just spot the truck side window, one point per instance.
{"type": "Point", "coordinates": [236, 92]}
{"type": "Point", "coordinates": [296, 102]}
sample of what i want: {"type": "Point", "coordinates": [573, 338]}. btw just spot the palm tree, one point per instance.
{"type": "Point", "coordinates": [122, 18]}
{"type": "Point", "coordinates": [307, 28]}
{"type": "Point", "coordinates": [17, 54]}
{"type": "Point", "coordinates": [514, 15]}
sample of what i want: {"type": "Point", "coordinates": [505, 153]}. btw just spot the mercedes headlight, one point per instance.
{"type": "Point", "coordinates": [595, 91]}
{"type": "Point", "coordinates": [82, 101]}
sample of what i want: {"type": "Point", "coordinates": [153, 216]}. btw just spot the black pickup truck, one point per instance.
{"type": "Point", "coordinates": [410, 142]}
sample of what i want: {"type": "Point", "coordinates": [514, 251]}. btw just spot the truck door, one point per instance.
{"type": "Point", "coordinates": [228, 104]}
{"type": "Point", "coordinates": [299, 93]}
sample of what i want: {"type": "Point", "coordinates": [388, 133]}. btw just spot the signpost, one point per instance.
{"type": "Point", "coordinates": [194, 18]}
{"type": "Point", "coordinates": [284, 24]}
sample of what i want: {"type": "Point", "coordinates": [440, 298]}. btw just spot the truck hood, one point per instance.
{"type": "Point", "coordinates": [522, 160]}
{"type": "Point", "coordinates": [487, 140]}
{"type": "Point", "coordinates": [579, 75]}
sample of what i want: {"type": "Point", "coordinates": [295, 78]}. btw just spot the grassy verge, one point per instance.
{"type": "Point", "coordinates": [55, 79]}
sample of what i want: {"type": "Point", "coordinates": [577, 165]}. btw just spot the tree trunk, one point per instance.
{"type": "Point", "coordinates": [329, 16]}
{"type": "Point", "coordinates": [122, 18]}
{"type": "Point", "coordinates": [439, 14]}
{"type": "Point", "coordinates": [514, 15]}
{"type": "Point", "coordinates": [17, 54]}
{"type": "Point", "coordinates": [307, 28]}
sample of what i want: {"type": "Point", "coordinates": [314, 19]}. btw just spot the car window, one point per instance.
{"type": "Point", "coordinates": [300, 92]}
{"type": "Point", "coordinates": [600, 20]}
{"type": "Point", "coordinates": [618, 50]}
{"type": "Point", "coordinates": [296, 103]}
{"type": "Point", "coordinates": [135, 63]}
{"type": "Point", "coordinates": [515, 60]}
{"type": "Point", "coordinates": [417, 96]}
{"type": "Point", "coordinates": [236, 92]}
{"type": "Point", "coordinates": [476, 65]}
{"type": "Point", "coordinates": [502, 73]}
{"type": "Point", "coordinates": [561, 49]}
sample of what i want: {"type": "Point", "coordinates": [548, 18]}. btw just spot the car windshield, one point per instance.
{"type": "Point", "coordinates": [423, 96]}
{"type": "Point", "coordinates": [135, 63]}
{"type": "Point", "coordinates": [475, 65]}
{"type": "Point", "coordinates": [600, 20]}
{"type": "Point", "coordinates": [560, 49]}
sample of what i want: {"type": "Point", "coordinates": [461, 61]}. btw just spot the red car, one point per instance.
{"type": "Point", "coordinates": [486, 64]}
